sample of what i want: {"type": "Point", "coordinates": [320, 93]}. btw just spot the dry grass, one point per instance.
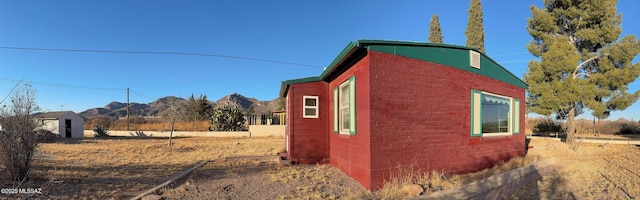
{"type": "Point", "coordinates": [595, 171]}
{"type": "Point", "coordinates": [154, 125]}
{"type": "Point", "coordinates": [397, 188]}
{"type": "Point", "coordinates": [317, 179]}
{"type": "Point", "coordinates": [120, 168]}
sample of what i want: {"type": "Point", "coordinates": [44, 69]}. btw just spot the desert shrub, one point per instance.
{"type": "Point", "coordinates": [547, 125]}
{"type": "Point", "coordinates": [47, 136]}
{"type": "Point", "coordinates": [18, 140]}
{"type": "Point", "coordinates": [530, 124]}
{"type": "Point", "coordinates": [100, 131]}
{"type": "Point", "coordinates": [609, 127]}
{"type": "Point", "coordinates": [628, 128]}
{"type": "Point", "coordinates": [101, 120]}
{"type": "Point", "coordinates": [227, 119]}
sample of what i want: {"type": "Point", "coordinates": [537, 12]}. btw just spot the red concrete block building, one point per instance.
{"type": "Point", "coordinates": [381, 106]}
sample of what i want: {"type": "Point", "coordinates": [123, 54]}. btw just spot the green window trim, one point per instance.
{"type": "Point", "coordinates": [352, 105]}
{"type": "Point", "coordinates": [351, 97]}
{"type": "Point", "coordinates": [335, 111]}
{"type": "Point", "coordinates": [516, 116]}
{"type": "Point", "coordinates": [476, 113]}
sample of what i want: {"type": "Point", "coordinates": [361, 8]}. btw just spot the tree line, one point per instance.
{"type": "Point", "coordinates": [582, 63]}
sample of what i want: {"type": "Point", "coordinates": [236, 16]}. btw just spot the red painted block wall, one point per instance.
{"type": "Point", "coordinates": [419, 116]}
{"type": "Point", "coordinates": [308, 138]}
{"type": "Point", "coordinates": [352, 153]}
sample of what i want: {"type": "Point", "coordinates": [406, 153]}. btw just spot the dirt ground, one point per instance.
{"type": "Point", "coordinates": [260, 180]}
{"type": "Point", "coordinates": [595, 171]}
{"type": "Point", "coordinates": [122, 168]}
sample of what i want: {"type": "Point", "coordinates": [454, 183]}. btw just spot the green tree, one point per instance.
{"type": "Point", "coordinates": [227, 119]}
{"type": "Point", "coordinates": [582, 64]}
{"type": "Point", "coordinates": [475, 28]}
{"type": "Point", "coordinates": [197, 109]}
{"type": "Point", "coordinates": [435, 32]}
{"type": "Point", "coordinates": [282, 103]}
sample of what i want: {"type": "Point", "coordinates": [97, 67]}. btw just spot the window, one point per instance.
{"type": "Point", "coordinates": [344, 111]}
{"type": "Point", "coordinates": [493, 114]}
{"type": "Point", "coordinates": [310, 107]}
{"type": "Point", "coordinates": [344, 107]}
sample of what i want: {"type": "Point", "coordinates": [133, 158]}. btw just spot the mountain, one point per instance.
{"type": "Point", "coordinates": [157, 107]}
{"type": "Point", "coordinates": [244, 103]}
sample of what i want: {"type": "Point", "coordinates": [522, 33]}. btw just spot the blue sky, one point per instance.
{"type": "Point", "coordinates": [309, 33]}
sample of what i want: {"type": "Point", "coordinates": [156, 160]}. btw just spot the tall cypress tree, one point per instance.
{"type": "Point", "coordinates": [582, 64]}
{"type": "Point", "coordinates": [435, 32]}
{"type": "Point", "coordinates": [475, 29]}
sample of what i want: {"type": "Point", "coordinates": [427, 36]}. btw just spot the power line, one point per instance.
{"type": "Point", "coordinates": [14, 87]}
{"type": "Point", "coordinates": [158, 53]}
{"type": "Point", "coordinates": [62, 85]}
{"type": "Point", "coordinates": [141, 95]}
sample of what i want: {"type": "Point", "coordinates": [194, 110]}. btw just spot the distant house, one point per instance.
{"type": "Point", "coordinates": [67, 124]}
{"type": "Point", "coordinates": [382, 106]}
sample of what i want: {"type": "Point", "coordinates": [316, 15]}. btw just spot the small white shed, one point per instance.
{"type": "Point", "coordinates": [66, 124]}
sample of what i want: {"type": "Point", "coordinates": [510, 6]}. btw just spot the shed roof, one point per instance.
{"type": "Point", "coordinates": [52, 115]}
{"type": "Point", "coordinates": [445, 54]}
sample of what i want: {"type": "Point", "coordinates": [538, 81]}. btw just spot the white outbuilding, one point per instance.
{"type": "Point", "coordinates": [66, 124]}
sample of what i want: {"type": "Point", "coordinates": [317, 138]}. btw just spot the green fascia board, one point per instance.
{"type": "Point", "coordinates": [345, 53]}
{"type": "Point", "coordinates": [445, 54]}
{"type": "Point", "coordinates": [284, 88]}
{"type": "Point", "coordinates": [449, 55]}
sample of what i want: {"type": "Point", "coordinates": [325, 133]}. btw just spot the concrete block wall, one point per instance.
{"type": "Point", "coordinates": [308, 138]}
{"type": "Point", "coordinates": [420, 119]}
{"type": "Point", "coordinates": [352, 153]}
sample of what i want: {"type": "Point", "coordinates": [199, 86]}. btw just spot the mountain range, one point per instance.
{"type": "Point", "coordinates": [156, 108]}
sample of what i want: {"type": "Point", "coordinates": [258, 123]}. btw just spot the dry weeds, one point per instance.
{"type": "Point", "coordinates": [120, 168]}
{"type": "Point", "coordinates": [154, 126]}
{"type": "Point", "coordinates": [435, 181]}
{"type": "Point", "coordinates": [596, 171]}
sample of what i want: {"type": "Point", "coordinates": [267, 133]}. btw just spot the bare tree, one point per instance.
{"type": "Point", "coordinates": [18, 138]}
{"type": "Point", "coordinates": [174, 108]}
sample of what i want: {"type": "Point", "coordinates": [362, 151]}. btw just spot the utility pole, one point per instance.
{"type": "Point", "coordinates": [128, 119]}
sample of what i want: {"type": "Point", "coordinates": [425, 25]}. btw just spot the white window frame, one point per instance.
{"type": "Point", "coordinates": [510, 115]}
{"type": "Point", "coordinates": [305, 107]}
{"type": "Point", "coordinates": [343, 107]}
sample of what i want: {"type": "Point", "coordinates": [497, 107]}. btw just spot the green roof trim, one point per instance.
{"type": "Point", "coordinates": [284, 88]}
{"type": "Point", "coordinates": [444, 54]}
{"type": "Point", "coordinates": [344, 54]}
{"type": "Point", "coordinates": [450, 55]}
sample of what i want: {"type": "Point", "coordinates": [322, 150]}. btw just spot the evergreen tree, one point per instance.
{"type": "Point", "coordinates": [582, 65]}
{"type": "Point", "coordinates": [197, 109]}
{"type": "Point", "coordinates": [435, 32]}
{"type": "Point", "coordinates": [475, 28]}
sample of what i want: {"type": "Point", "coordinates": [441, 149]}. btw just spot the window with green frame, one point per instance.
{"type": "Point", "coordinates": [344, 107]}
{"type": "Point", "coordinates": [493, 114]}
